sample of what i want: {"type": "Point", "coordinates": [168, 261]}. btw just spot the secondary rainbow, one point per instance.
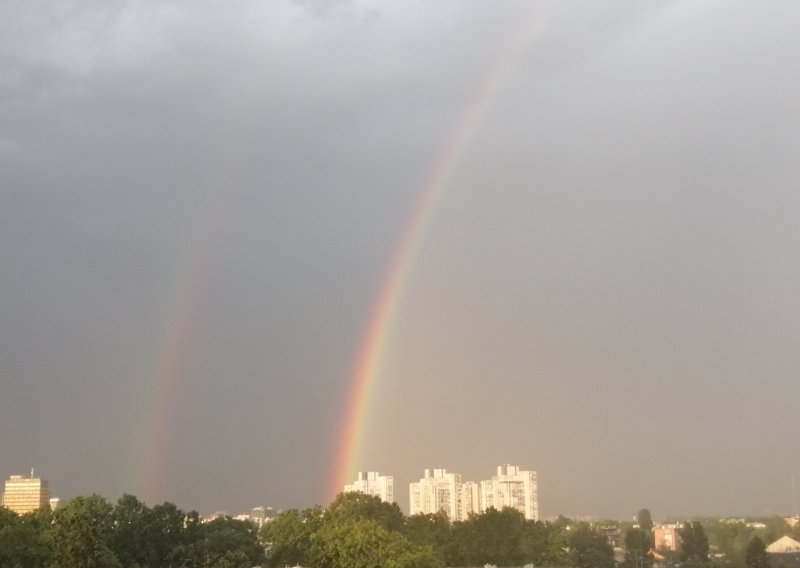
{"type": "Point", "coordinates": [173, 359]}
{"type": "Point", "coordinates": [367, 369]}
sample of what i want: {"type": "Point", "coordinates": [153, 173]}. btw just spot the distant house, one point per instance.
{"type": "Point", "coordinates": [784, 552]}
{"type": "Point", "coordinates": [784, 545]}
{"type": "Point", "coordinates": [667, 537]}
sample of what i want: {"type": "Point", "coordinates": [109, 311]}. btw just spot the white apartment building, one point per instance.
{"type": "Point", "coordinates": [442, 491]}
{"type": "Point", "coordinates": [469, 500]}
{"type": "Point", "coordinates": [511, 487]}
{"type": "Point", "coordinates": [372, 483]}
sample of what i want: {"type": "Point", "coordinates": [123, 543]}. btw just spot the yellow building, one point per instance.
{"type": "Point", "coordinates": [25, 494]}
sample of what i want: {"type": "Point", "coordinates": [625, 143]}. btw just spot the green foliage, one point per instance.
{"type": "Point", "coordinates": [644, 520]}
{"type": "Point", "coordinates": [563, 522]}
{"type": "Point", "coordinates": [89, 532]}
{"type": "Point", "coordinates": [288, 538]}
{"type": "Point", "coordinates": [82, 533]}
{"type": "Point", "coordinates": [495, 537]}
{"type": "Point", "coordinates": [429, 530]}
{"type": "Point", "coordinates": [498, 537]}
{"type": "Point", "coordinates": [24, 540]}
{"type": "Point", "coordinates": [355, 531]}
{"type": "Point", "coordinates": [129, 539]}
{"type": "Point", "coordinates": [756, 554]}
{"type": "Point", "coordinates": [228, 543]}
{"type": "Point", "coordinates": [356, 506]}
{"type": "Point", "coordinates": [359, 530]}
{"type": "Point", "coordinates": [694, 543]}
{"type": "Point", "coordinates": [365, 543]}
{"type": "Point", "coordinates": [163, 531]}
{"type": "Point", "coordinates": [544, 544]}
{"type": "Point", "coordinates": [638, 544]}
{"type": "Point", "coordinates": [730, 539]}
{"type": "Point", "coordinates": [589, 549]}
{"type": "Point", "coordinates": [776, 528]}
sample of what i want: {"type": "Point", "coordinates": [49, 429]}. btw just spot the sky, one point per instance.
{"type": "Point", "coordinates": [200, 201]}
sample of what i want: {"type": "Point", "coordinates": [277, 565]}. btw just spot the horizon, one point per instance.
{"type": "Point", "coordinates": [585, 516]}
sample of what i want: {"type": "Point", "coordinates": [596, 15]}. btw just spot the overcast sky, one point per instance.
{"type": "Point", "coordinates": [607, 291]}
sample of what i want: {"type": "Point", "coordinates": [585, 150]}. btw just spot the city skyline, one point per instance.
{"type": "Point", "coordinates": [252, 249]}
{"type": "Point", "coordinates": [29, 492]}
{"type": "Point", "coordinates": [461, 498]}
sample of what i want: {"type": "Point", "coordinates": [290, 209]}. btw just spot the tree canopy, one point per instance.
{"type": "Point", "coordinates": [694, 543]}
{"type": "Point", "coordinates": [756, 554]}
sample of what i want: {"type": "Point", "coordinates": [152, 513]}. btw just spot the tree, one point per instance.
{"type": "Point", "coordinates": [694, 543]}
{"type": "Point", "coordinates": [645, 520]}
{"type": "Point", "coordinates": [288, 538]}
{"type": "Point", "coordinates": [163, 532]}
{"type": "Point", "coordinates": [544, 544]}
{"type": "Point", "coordinates": [429, 530]}
{"type": "Point", "coordinates": [638, 544]}
{"type": "Point", "coordinates": [498, 537]}
{"type": "Point", "coordinates": [563, 522]}
{"type": "Point", "coordinates": [776, 528]}
{"type": "Point", "coordinates": [729, 539]}
{"type": "Point", "coordinates": [365, 543]}
{"type": "Point", "coordinates": [82, 533]}
{"type": "Point", "coordinates": [191, 548]}
{"type": "Point", "coordinates": [756, 554]}
{"type": "Point", "coordinates": [229, 543]}
{"type": "Point", "coordinates": [128, 540]}
{"type": "Point", "coordinates": [589, 549]}
{"type": "Point", "coordinates": [24, 539]}
{"type": "Point", "coordinates": [356, 505]}
{"type": "Point", "coordinates": [461, 551]}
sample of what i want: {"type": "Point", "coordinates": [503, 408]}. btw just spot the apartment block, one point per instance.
{"type": "Point", "coordinates": [511, 487]}
{"type": "Point", "coordinates": [372, 483]}
{"type": "Point", "coordinates": [436, 491]}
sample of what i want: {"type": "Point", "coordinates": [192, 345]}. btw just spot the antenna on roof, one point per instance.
{"type": "Point", "coordinates": [31, 473]}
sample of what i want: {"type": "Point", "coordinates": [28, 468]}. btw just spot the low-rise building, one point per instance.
{"type": "Point", "coordinates": [667, 537]}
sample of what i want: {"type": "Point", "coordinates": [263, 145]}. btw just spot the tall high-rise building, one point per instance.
{"type": "Point", "coordinates": [469, 500]}
{"type": "Point", "coordinates": [511, 487]}
{"type": "Point", "coordinates": [372, 483]}
{"type": "Point", "coordinates": [442, 491]}
{"type": "Point", "coordinates": [25, 494]}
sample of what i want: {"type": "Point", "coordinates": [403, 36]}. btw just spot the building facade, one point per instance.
{"type": "Point", "coordinates": [469, 500]}
{"type": "Point", "coordinates": [372, 483]}
{"type": "Point", "coordinates": [25, 494]}
{"type": "Point", "coordinates": [667, 537]}
{"type": "Point", "coordinates": [437, 491]}
{"type": "Point", "coordinates": [511, 487]}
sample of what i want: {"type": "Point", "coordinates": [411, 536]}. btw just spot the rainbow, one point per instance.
{"type": "Point", "coordinates": [174, 347]}
{"type": "Point", "coordinates": [351, 436]}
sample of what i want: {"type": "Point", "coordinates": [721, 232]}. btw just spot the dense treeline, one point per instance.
{"type": "Point", "coordinates": [90, 532]}
{"type": "Point", "coordinates": [358, 531]}
{"type": "Point", "coordinates": [355, 531]}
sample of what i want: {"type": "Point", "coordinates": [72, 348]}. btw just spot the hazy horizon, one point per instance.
{"type": "Point", "coordinates": [200, 201]}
